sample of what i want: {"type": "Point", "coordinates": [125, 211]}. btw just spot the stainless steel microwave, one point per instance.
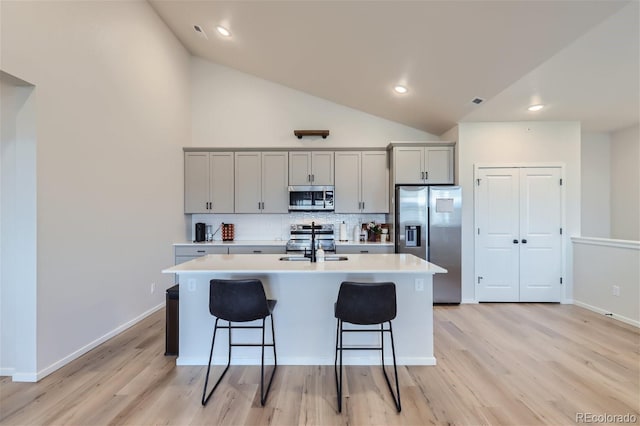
{"type": "Point", "coordinates": [311, 198]}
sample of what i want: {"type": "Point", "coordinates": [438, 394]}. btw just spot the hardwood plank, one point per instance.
{"type": "Point", "coordinates": [497, 364]}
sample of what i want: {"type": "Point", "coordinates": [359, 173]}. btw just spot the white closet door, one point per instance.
{"type": "Point", "coordinates": [497, 227]}
{"type": "Point", "coordinates": [540, 238]}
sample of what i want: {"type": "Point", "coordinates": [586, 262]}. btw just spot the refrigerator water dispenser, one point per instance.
{"type": "Point", "coordinates": [412, 235]}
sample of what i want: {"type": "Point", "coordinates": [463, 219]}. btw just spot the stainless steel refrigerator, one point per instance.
{"type": "Point", "coordinates": [427, 224]}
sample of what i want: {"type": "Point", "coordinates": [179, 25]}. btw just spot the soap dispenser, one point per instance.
{"type": "Point", "coordinates": [320, 254]}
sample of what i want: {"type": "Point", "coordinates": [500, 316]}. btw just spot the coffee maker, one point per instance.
{"type": "Point", "coordinates": [200, 232]}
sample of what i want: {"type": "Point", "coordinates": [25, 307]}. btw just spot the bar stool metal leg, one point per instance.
{"type": "Point", "coordinates": [205, 397]}
{"type": "Point", "coordinates": [338, 349]}
{"type": "Point", "coordinates": [263, 395]}
{"type": "Point", "coordinates": [396, 394]}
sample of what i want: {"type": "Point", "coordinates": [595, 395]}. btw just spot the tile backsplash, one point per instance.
{"type": "Point", "coordinates": [276, 226]}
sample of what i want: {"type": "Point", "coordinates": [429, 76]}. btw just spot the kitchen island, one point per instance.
{"type": "Point", "coordinates": [303, 318]}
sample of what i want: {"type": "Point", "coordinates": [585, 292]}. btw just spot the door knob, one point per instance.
{"type": "Point", "coordinates": [515, 241]}
{"type": "Point", "coordinates": [524, 241]}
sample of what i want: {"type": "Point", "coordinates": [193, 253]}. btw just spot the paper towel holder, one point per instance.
{"type": "Point", "coordinates": [343, 237]}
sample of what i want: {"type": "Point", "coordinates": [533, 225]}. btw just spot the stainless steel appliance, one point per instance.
{"type": "Point", "coordinates": [428, 225]}
{"type": "Point", "coordinates": [310, 198]}
{"type": "Point", "coordinates": [300, 239]}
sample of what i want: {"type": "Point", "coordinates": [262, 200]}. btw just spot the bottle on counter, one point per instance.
{"type": "Point", "coordinates": [356, 233]}
{"type": "Point", "coordinates": [320, 254]}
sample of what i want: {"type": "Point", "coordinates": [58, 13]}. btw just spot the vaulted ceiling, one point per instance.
{"type": "Point", "coordinates": [579, 58]}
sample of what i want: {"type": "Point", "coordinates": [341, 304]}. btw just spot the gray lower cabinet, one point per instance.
{"type": "Point", "coordinates": [258, 250]}
{"type": "Point", "coordinates": [186, 253]}
{"type": "Point", "coordinates": [364, 249]}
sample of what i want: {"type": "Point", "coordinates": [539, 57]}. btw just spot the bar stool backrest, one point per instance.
{"type": "Point", "coordinates": [238, 300]}
{"type": "Point", "coordinates": [366, 303]}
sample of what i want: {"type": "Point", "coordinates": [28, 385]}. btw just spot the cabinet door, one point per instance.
{"type": "Point", "coordinates": [408, 165]}
{"type": "Point", "coordinates": [258, 250]}
{"type": "Point", "coordinates": [248, 186]}
{"type": "Point", "coordinates": [347, 189]}
{"type": "Point", "coordinates": [375, 182]}
{"type": "Point", "coordinates": [364, 249]}
{"type": "Point", "coordinates": [540, 238]}
{"type": "Point", "coordinates": [275, 195]}
{"type": "Point", "coordinates": [497, 235]}
{"type": "Point", "coordinates": [322, 168]}
{"type": "Point", "coordinates": [299, 168]}
{"type": "Point", "coordinates": [518, 241]}
{"type": "Point", "coordinates": [196, 182]}
{"type": "Point", "coordinates": [438, 164]}
{"type": "Point", "coordinates": [221, 182]}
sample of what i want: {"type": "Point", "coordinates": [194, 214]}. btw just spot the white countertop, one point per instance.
{"type": "Point", "coordinates": [270, 263]}
{"type": "Point", "coordinates": [242, 243]}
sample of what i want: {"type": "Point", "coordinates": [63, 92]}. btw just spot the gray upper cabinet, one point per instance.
{"type": "Point", "coordinates": [362, 182]}
{"type": "Point", "coordinates": [311, 168]}
{"type": "Point", "coordinates": [208, 182]}
{"type": "Point", "coordinates": [261, 182]}
{"type": "Point", "coordinates": [423, 164]}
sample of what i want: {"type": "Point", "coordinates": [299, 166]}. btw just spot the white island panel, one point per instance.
{"type": "Point", "coordinates": [304, 320]}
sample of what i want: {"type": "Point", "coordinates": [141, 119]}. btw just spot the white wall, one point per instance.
{"type": "Point", "coordinates": [233, 109]}
{"type": "Point", "coordinates": [595, 157]}
{"type": "Point", "coordinates": [17, 226]}
{"type": "Point", "coordinates": [625, 184]}
{"type": "Point", "coordinates": [600, 264]}
{"type": "Point", "coordinates": [518, 142]}
{"type": "Point", "coordinates": [113, 112]}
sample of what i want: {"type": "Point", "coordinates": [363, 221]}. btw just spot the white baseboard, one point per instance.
{"type": "Point", "coordinates": [30, 377]}
{"type": "Point", "coordinates": [469, 302]}
{"type": "Point", "coordinates": [615, 316]}
{"type": "Point", "coordinates": [6, 372]}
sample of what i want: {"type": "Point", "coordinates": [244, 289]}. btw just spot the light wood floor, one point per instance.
{"type": "Point", "coordinates": [520, 364]}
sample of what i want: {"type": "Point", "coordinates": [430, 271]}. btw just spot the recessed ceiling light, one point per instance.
{"type": "Point", "coordinates": [534, 108]}
{"type": "Point", "coordinates": [400, 89]}
{"type": "Point", "coordinates": [223, 31]}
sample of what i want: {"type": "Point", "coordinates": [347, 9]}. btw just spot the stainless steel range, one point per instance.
{"type": "Point", "coordinates": [300, 239]}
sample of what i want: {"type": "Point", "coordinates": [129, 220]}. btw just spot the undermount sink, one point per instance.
{"type": "Point", "coordinates": [302, 258]}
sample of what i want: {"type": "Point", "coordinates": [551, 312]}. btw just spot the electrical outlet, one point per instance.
{"type": "Point", "coordinates": [153, 288]}
{"type": "Point", "coordinates": [419, 284]}
{"type": "Point", "coordinates": [191, 284]}
{"type": "Point", "coordinates": [615, 290]}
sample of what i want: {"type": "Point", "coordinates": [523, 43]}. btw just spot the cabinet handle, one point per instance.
{"type": "Point", "coordinates": [308, 178]}
{"type": "Point", "coordinates": [363, 205]}
{"type": "Point", "coordinates": [515, 241]}
{"type": "Point", "coordinates": [313, 177]}
{"type": "Point", "coordinates": [257, 251]}
{"type": "Point", "coordinates": [200, 251]}
{"type": "Point", "coordinates": [364, 251]}
{"type": "Point", "coordinates": [422, 175]}
{"type": "Point", "coordinates": [524, 241]}
{"type": "Point", "coordinates": [426, 175]}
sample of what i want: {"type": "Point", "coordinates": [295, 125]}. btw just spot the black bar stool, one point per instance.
{"type": "Point", "coordinates": [240, 301]}
{"type": "Point", "coordinates": [366, 304]}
